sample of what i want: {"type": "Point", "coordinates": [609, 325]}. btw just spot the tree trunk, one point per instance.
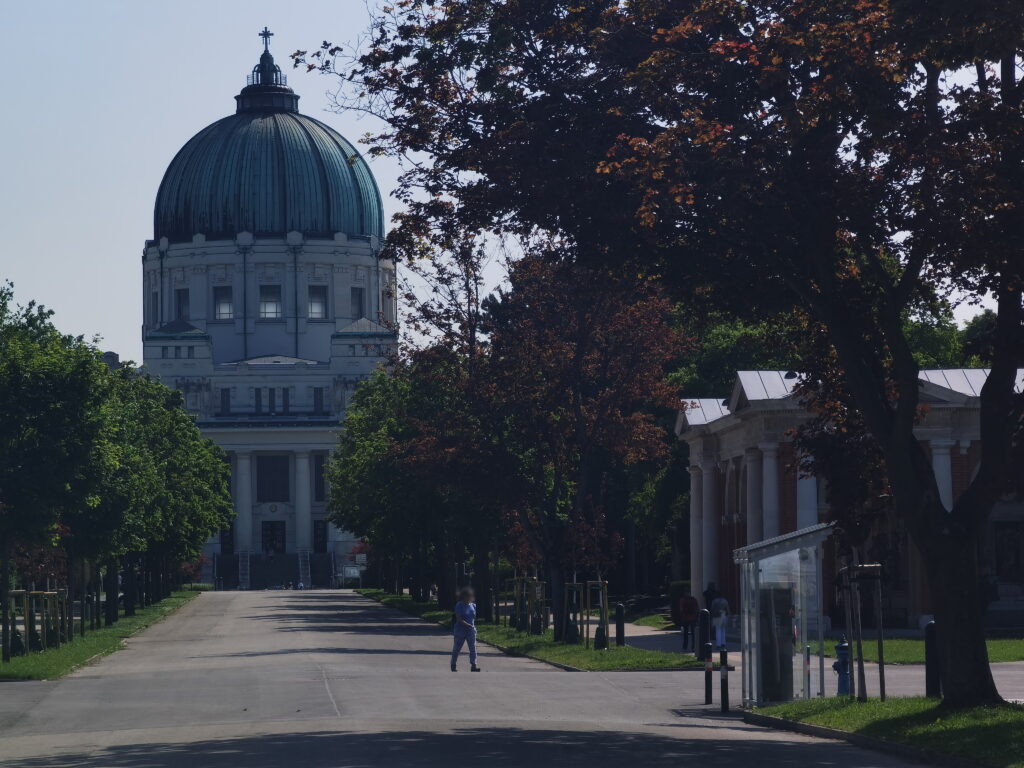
{"type": "Point", "coordinates": [97, 589]}
{"type": "Point", "coordinates": [482, 582]}
{"type": "Point", "coordinates": [556, 585]}
{"type": "Point", "coordinates": [631, 558]}
{"type": "Point", "coordinates": [5, 603]}
{"type": "Point", "coordinates": [446, 586]}
{"type": "Point", "coordinates": [110, 587]}
{"type": "Point", "coordinates": [130, 588]}
{"type": "Point", "coordinates": [952, 562]}
{"type": "Point", "coordinates": [82, 592]}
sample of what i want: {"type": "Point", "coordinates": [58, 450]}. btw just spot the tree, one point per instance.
{"type": "Point", "coordinates": [855, 159]}
{"type": "Point", "coordinates": [863, 158]}
{"type": "Point", "coordinates": [51, 425]}
{"type": "Point", "coordinates": [578, 360]}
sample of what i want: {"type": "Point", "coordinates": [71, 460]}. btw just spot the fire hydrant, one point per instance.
{"type": "Point", "coordinates": [842, 666]}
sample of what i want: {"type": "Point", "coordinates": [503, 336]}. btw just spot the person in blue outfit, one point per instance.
{"type": "Point", "coordinates": [465, 628]}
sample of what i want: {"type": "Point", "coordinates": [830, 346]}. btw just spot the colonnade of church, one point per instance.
{"type": "Point", "coordinates": [302, 502]}
{"type": "Point", "coordinates": [753, 493]}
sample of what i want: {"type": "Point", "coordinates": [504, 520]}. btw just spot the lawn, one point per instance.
{"type": "Point", "coordinates": [656, 620]}
{"type": "Point", "coordinates": [903, 650]}
{"type": "Point", "coordinates": [51, 664]}
{"type": "Point", "coordinates": [543, 646]}
{"type": "Point", "coordinates": [989, 735]}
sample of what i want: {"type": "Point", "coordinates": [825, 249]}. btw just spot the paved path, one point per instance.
{"type": "Point", "coordinates": [900, 679]}
{"type": "Point", "coordinates": [269, 679]}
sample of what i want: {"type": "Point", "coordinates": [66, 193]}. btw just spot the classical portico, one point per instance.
{"type": "Point", "coordinates": [746, 486]}
{"type": "Point", "coordinates": [266, 304]}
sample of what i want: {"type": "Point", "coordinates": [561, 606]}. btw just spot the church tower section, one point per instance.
{"type": "Point", "coordinates": [266, 302]}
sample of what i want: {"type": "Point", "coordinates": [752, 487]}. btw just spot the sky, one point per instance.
{"type": "Point", "coordinates": [98, 97]}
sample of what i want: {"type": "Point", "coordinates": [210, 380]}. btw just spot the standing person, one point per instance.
{"type": "Point", "coordinates": [464, 628]}
{"type": "Point", "coordinates": [689, 612]}
{"type": "Point", "coordinates": [719, 619]}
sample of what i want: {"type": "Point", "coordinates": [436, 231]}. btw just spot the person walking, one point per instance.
{"type": "Point", "coordinates": [689, 612]}
{"type": "Point", "coordinates": [464, 628]}
{"type": "Point", "coordinates": [720, 619]}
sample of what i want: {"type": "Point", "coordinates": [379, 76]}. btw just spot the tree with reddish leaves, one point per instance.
{"type": "Point", "coordinates": [578, 360]}
{"type": "Point", "coordinates": [854, 158]}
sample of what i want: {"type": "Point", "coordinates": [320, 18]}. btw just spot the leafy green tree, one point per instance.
{"type": "Point", "coordinates": [52, 389]}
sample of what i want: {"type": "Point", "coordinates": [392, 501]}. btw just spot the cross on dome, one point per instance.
{"type": "Point", "coordinates": [266, 34]}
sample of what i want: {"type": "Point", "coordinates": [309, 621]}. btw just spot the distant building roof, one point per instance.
{"type": "Point", "coordinates": [705, 410]}
{"type": "Point", "coordinates": [751, 387]}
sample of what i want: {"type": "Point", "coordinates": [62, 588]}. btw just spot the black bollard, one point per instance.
{"type": "Point", "coordinates": [704, 635]}
{"type": "Point", "coordinates": [708, 671]}
{"type": "Point", "coordinates": [620, 624]}
{"type": "Point", "coordinates": [932, 679]}
{"type": "Point", "coordinates": [723, 661]}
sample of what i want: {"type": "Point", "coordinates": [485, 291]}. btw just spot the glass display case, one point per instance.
{"type": "Point", "coordinates": [781, 622]}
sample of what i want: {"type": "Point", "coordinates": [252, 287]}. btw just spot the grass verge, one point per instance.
{"type": "Point", "coordinates": [656, 620]}
{"type": "Point", "coordinates": [51, 664]}
{"type": "Point", "coordinates": [989, 735]}
{"type": "Point", "coordinates": [905, 650]}
{"type": "Point", "coordinates": [543, 646]}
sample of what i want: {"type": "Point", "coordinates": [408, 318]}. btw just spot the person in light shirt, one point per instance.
{"type": "Point", "coordinates": [464, 628]}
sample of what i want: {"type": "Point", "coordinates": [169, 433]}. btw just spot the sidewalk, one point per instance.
{"type": "Point", "coordinates": [900, 679]}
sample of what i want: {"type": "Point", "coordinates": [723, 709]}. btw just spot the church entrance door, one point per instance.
{"type": "Point", "coordinates": [273, 537]}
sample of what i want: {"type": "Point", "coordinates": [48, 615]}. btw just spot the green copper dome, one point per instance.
{"type": "Point", "coordinates": [267, 170]}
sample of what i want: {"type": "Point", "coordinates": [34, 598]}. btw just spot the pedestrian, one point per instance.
{"type": "Point", "coordinates": [719, 619]}
{"type": "Point", "coordinates": [464, 628]}
{"type": "Point", "coordinates": [689, 612]}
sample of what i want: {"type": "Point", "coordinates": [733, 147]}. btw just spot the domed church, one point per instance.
{"type": "Point", "coordinates": [266, 303]}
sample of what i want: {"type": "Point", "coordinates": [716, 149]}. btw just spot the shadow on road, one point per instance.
{"type": "Point", "coordinates": [470, 746]}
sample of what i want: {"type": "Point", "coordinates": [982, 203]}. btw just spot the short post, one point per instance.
{"type": "Point", "coordinates": [708, 671]}
{"type": "Point", "coordinates": [723, 662]}
{"type": "Point", "coordinates": [620, 624]}
{"type": "Point", "coordinates": [704, 631]}
{"type": "Point", "coordinates": [932, 679]}
{"type": "Point", "coordinates": [807, 670]}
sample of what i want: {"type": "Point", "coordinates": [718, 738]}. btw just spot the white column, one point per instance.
{"type": "Point", "coordinates": [303, 503]}
{"type": "Point", "coordinates": [770, 488]}
{"type": "Point", "coordinates": [696, 530]}
{"type": "Point", "coordinates": [942, 465]}
{"type": "Point", "coordinates": [243, 502]}
{"type": "Point", "coordinates": [806, 501]}
{"type": "Point", "coordinates": [752, 465]}
{"type": "Point", "coordinates": [709, 562]}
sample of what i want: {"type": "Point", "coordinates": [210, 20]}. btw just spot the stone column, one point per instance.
{"type": "Point", "coordinates": [806, 501]}
{"type": "Point", "coordinates": [303, 503]}
{"type": "Point", "coordinates": [770, 488]}
{"type": "Point", "coordinates": [696, 530]}
{"type": "Point", "coordinates": [243, 502]}
{"type": "Point", "coordinates": [752, 465]}
{"type": "Point", "coordinates": [709, 506]}
{"type": "Point", "coordinates": [942, 465]}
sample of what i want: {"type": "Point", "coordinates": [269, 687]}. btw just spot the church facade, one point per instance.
{"type": "Point", "coordinates": [266, 303]}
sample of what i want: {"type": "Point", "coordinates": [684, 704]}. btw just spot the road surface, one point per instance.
{"type": "Point", "coordinates": [328, 678]}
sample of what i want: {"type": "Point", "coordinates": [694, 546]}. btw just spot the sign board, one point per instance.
{"type": "Point", "coordinates": [361, 559]}
{"type": "Point", "coordinates": [351, 572]}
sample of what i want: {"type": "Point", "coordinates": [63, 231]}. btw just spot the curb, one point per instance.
{"type": "Point", "coordinates": [892, 748]}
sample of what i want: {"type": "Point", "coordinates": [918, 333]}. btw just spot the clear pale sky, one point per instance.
{"type": "Point", "coordinates": [98, 97]}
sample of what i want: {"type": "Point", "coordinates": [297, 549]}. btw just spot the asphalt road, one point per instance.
{"type": "Point", "coordinates": [270, 679]}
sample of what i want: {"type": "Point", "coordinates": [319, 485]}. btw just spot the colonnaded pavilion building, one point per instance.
{"type": "Point", "coordinates": [266, 303]}
{"type": "Point", "coordinates": [745, 489]}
